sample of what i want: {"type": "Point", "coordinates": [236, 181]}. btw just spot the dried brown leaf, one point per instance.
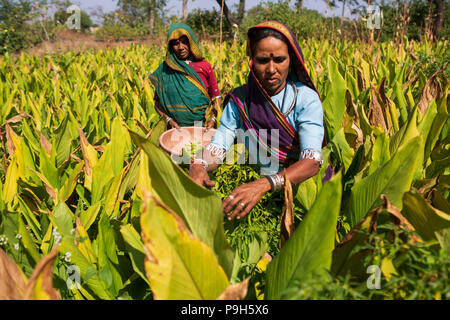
{"type": "Point", "coordinates": [352, 110]}
{"type": "Point", "coordinates": [376, 115]}
{"type": "Point", "coordinates": [9, 142]}
{"type": "Point", "coordinates": [18, 117]}
{"type": "Point", "coordinates": [431, 91]}
{"type": "Point", "coordinates": [43, 276]}
{"type": "Point", "coordinates": [12, 280]}
{"type": "Point", "coordinates": [399, 219]}
{"type": "Point", "coordinates": [361, 81]}
{"type": "Point", "coordinates": [236, 291]}
{"type": "Point", "coordinates": [83, 144]}
{"type": "Point", "coordinates": [369, 223]}
{"type": "Point", "coordinates": [287, 214]}
{"type": "Point", "coordinates": [46, 145]}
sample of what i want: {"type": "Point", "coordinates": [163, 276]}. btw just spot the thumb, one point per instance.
{"type": "Point", "coordinates": [209, 183]}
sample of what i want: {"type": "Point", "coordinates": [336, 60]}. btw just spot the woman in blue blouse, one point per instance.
{"type": "Point", "coordinates": [277, 114]}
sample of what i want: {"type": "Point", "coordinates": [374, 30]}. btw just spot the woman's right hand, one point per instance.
{"type": "Point", "coordinates": [173, 124]}
{"type": "Point", "coordinates": [198, 173]}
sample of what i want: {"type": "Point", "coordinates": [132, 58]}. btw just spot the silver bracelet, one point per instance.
{"type": "Point", "coordinates": [215, 98]}
{"type": "Point", "coordinates": [276, 182]}
{"type": "Point", "coordinates": [201, 161]}
{"type": "Point", "coordinates": [212, 119]}
{"type": "Point", "coordinates": [312, 154]}
{"type": "Point", "coordinates": [216, 152]}
{"type": "Point", "coordinates": [168, 119]}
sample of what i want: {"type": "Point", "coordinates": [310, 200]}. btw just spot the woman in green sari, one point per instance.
{"type": "Point", "coordinates": [185, 84]}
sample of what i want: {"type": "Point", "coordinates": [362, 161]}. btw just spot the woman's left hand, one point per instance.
{"type": "Point", "coordinates": [210, 124]}
{"type": "Point", "coordinates": [244, 198]}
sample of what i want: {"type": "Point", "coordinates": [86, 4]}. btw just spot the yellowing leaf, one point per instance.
{"type": "Point", "coordinates": [178, 265]}
{"type": "Point", "coordinates": [15, 286]}
{"type": "Point", "coordinates": [10, 187]}
{"type": "Point", "coordinates": [387, 268]}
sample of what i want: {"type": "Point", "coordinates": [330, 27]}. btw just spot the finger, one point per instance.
{"type": "Point", "coordinates": [237, 209]}
{"type": "Point", "coordinates": [229, 204]}
{"type": "Point", "coordinates": [210, 183]}
{"type": "Point", "coordinates": [246, 210]}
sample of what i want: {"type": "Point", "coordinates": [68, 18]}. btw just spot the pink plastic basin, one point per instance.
{"type": "Point", "coordinates": [174, 140]}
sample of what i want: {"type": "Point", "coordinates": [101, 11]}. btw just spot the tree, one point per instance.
{"type": "Point", "coordinates": [299, 4]}
{"type": "Point", "coordinates": [185, 2]}
{"type": "Point", "coordinates": [142, 11]}
{"type": "Point", "coordinates": [439, 17]}
{"type": "Point", "coordinates": [229, 15]}
{"type": "Point", "coordinates": [61, 15]}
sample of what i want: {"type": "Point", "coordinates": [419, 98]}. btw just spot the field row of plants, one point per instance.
{"type": "Point", "coordinates": [92, 208]}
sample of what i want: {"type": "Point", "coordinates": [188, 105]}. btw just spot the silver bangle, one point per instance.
{"type": "Point", "coordinates": [168, 119]}
{"type": "Point", "coordinates": [212, 119]}
{"type": "Point", "coordinates": [276, 182]}
{"type": "Point", "coordinates": [216, 152]}
{"type": "Point", "coordinates": [201, 161]}
{"type": "Point", "coordinates": [215, 98]}
{"type": "Point", "coordinates": [312, 154]}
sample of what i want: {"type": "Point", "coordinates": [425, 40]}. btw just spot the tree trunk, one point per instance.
{"type": "Point", "coordinates": [343, 12]}
{"type": "Point", "coordinates": [185, 10]}
{"type": "Point", "coordinates": [151, 17]}
{"type": "Point", "coordinates": [241, 10]}
{"type": "Point", "coordinates": [439, 18]}
{"type": "Point", "coordinates": [299, 5]}
{"type": "Point", "coordinates": [229, 16]}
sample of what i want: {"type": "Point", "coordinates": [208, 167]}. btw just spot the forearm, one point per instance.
{"type": "Point", "coordinates": [213, 110]}
{"type": "Point", "coordinates": [305, 168]}
{"type": "Point", "coordinates": [216, 106]}
{"type": "Point", "coordinates": [159, 108]}
{"type": "Point", "coordinates": [301, 170]}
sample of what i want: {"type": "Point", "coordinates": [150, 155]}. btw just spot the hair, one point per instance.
{"type": "Point", "coordinates": [255, 35]}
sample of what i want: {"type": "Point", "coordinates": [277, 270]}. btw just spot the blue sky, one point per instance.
{"type": "Point", "coordinates": [174, 6]}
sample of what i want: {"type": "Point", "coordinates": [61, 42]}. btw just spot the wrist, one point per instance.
{"type": "Point", "coordinates": [276, 182]}
{"type": "Point", "coordinates": [196, 163]}
{"type": "Point", "coordinates": [266, 185]}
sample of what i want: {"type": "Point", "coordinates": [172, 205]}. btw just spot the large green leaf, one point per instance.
{"type": "Point", "coordinates": [429, 222]}
{"type": "Point", "coordinates": [200, 208]}
{"type": "Point", "coordinates": [62, 141]}
{"type": "Point", "coordinates": [407, 132]}
{"type": "Point", "coordinates": [438, 123]}
{"type": "Point", "coordinates": [334, 101]}
{"type": "Point", "coordinates": [88, 273]}
{"type": "Point", "coordinates": [392, 179]}
{"type": "Point", "coordinates": [178, 265]}
{"type": "Point", "coordinates": [309, 249]}
{"type": "Point", "coordinates": [306, 193]}
{"type": "Point", "coordinates": [380, 152]}
{"type": "Point", "coordinates": [107, 257]}
{"type": "Point", "coordinates": [342, 149]}
{"type": "Point", "coordinates": [135, 249]}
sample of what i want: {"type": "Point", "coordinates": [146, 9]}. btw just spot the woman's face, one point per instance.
{"type": "Point", "coordinates": [271, 64]}
{"type": "Point", "coordinates": [181, 47]}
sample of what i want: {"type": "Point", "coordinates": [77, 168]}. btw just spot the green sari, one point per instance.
{"type": "Point", "coordinates": [181, 92]}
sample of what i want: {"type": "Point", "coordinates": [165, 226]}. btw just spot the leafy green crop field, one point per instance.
{"type": "Point", "coordinates": [92, 208]}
